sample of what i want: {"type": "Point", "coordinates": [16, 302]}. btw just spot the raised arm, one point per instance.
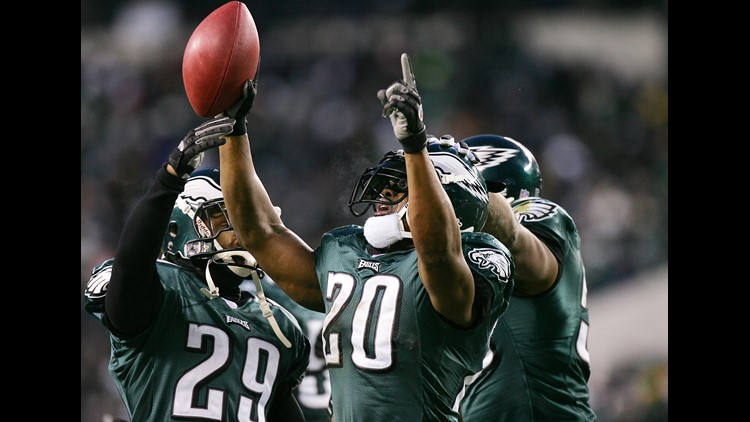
{"type": "Point", "coordinates": [134, 293]}
{"type": "Point", "coordinates": [536, 266]}
{"type": "Point", "coordinates": [432, 220]}
{"type": "Point", "coordinates": [259, 229]}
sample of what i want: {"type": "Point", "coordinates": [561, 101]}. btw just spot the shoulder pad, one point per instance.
{"type": "Point", "coordinates": [346, 230]}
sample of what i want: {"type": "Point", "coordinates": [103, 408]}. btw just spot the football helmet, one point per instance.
{"type": "Point", "coordinates": [198, 218]}
{"type": "Point", "coordinates": [390, 172]}
{"type": "Point", "coordinates": [461, 180]}
{"type": "Point", "coordinates": [202, 186]}
{"type": "Point", "coordinates": [508, 167]}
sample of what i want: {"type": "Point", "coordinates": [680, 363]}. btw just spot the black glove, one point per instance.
{"type": "Point", "coordinates": [188, 155]}
{"type": "Point", "coordinates": [239, 110]}
{"type": "Point", "coordinates": [402, 103]}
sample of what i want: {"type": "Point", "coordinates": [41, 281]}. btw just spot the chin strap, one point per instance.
{"type": "Point", "coordinates": [212, 292]}
{"type": "Point", "coordinates": [403, 215]}
{"type": "Point", "coordinates": [248, 265]}
{"type": "Point", "coordinates": [267, 310]}
{"type": "Point", "coordinates": [225, 258]}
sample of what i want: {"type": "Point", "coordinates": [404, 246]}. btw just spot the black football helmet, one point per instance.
{"type": "Point", "coordinates": [461, 180]}
{"type": "Point", "coordinates": [507, 166]}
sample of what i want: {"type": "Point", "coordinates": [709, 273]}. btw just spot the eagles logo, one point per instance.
{"type": "Point", "coordinates": [451, 170]}
{"type": "Point", "coordinates": [490, 156]}
{"type": "Point", "coordinates": [97, 285]}
{"type": "Point", "coordinates": [531, 211]}
{"type": "Point", "coordinates": [371, 265]}
{"type": "Point", "coordinates": [490, 259]}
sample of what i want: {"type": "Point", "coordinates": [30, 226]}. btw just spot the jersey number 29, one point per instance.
{"type": "Point", "coordinates": [188, 384]}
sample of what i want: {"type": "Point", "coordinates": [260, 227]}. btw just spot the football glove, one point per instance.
{"type": "Point", "coordinates": [188, 155]}
{"type": "Point", "coordinates": [402, 103]}
{"type": "Point", "coordinates": [239, 110]}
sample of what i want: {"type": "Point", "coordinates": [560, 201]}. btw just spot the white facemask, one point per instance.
{"type": "Point", "coordinates": [384, 230]}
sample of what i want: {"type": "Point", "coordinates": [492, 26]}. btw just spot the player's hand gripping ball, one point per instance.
{"type": "Point", "coordinates": [222, 53]}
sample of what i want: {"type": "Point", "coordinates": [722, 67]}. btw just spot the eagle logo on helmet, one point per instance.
{"type": "Point", "coordinates": [453, 170]}
{"type": "Point", "coordinates": [200, 189]}
{"type": "Point", "coordinates": [490, 156]}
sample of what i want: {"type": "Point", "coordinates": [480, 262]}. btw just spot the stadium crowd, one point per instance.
{"type": "Point", "coordinates": [601, 137]}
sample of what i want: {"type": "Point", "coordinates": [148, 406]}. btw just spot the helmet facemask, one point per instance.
{"type": "Point", "coordinates": [210, 221]}
{"type": "Point", "coordinates": [455, 169]}
{"type": "Point", "coordinates": [198, 219]}
{"type": "Point", "coordinates": [390, 173]}
{"type": "Point", "coordinates": [382, 231]}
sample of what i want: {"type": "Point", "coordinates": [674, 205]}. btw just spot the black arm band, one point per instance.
{"type": "Point", "coordinates": [416, 142]}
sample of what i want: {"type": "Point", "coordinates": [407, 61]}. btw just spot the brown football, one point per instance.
{"type": "Point", "coordinates": [222, 53]}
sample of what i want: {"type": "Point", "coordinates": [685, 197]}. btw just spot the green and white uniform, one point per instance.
{"type": "Point", "coordinates": [539, 367]}
{"type": "Point", "coordinates": [391, 357]}
{"type": "Point", "coordinates": [202, 359]}
{"type": "Point", "coordinates": [314, 392]}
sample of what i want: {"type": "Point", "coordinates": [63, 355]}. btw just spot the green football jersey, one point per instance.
{"type": "Point", "coordinates": [202, 359]}
{"type": "Point", "coordinates": [391, 357]}
{"type": "Point", "coordinates": [314, 391]}
{"type": "Point", "coordinates": [539, 366]}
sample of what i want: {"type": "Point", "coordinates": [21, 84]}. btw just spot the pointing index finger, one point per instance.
{"type": "Point", "coordinates": [407, 71]}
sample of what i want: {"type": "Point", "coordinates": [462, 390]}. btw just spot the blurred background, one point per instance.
{"type": "Point", "coordinates": [582, 83]}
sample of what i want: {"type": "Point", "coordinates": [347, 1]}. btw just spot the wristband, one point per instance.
{"type": "Point", "coordinates": [416, 142]}
{"type": "Point", "coordinates": [240, 127]}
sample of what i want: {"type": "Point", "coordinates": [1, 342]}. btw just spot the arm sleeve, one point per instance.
{"type": "Point", "coordinates": [134, 294]}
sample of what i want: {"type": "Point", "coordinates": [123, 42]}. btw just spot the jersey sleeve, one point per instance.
{"type": "Point", "coordinates": [96, 290]}
{"type": "Point", "coordinates": [491, 261]}
{"type": "Point", "coordinates": [548, 221]}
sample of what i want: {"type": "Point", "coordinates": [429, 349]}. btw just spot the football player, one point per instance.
{"type": "Point", "coordinates": [186, 342]}
{"type": "Point", "coordinates": [538, 367]}
{"type": "Point", "coordinates": [314, 391]}
{"type": "Point", "coordinates": [412, 296]}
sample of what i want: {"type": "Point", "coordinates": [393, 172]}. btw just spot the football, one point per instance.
{"type": "Point", "coordinates": [222, 53]}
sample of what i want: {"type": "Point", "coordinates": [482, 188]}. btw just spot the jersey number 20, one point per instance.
{"type": "Point", "coordinates": [372, 325]}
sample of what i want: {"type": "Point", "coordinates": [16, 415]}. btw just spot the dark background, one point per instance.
{"type": "Point", "coordinates": [583, 84]}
